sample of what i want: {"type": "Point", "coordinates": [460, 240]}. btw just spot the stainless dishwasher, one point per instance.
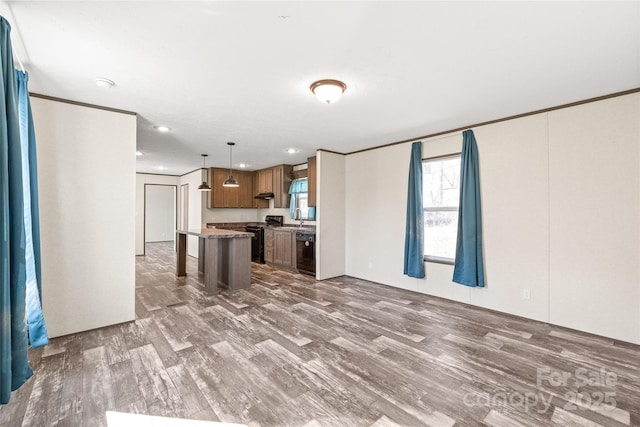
{"type": "Point", "coordinates": [306, 253]}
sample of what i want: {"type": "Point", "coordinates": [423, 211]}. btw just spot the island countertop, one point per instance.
{"type": "Point", "coordinates": [215, 233]}
{"type": "Point", "coordinates": [224, 256]}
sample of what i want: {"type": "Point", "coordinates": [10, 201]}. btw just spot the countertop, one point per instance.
{"type": "Point", "coordinates": [231, 226]}
{"type": "Point", "coordinates": [295, 228]}
{"type": "Point", "coordinates": [215, 233]}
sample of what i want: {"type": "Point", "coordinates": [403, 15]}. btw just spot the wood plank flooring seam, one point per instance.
{"type": "Point", "coordinates": [292, 351]}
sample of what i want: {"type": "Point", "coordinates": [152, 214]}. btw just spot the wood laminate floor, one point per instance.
{"type": "Point", "coordinates": [291, 351]}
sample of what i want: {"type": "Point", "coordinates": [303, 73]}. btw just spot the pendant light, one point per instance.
{"type": "Point", "coordinates": [230, 181]}
{"type": "Point", "coordinates": [204, 186]}
{"type": "Point", "coordinates": [328, 91]}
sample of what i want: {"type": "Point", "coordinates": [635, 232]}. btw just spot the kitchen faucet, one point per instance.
{"type": "Point", "coordinates": [298, 216]}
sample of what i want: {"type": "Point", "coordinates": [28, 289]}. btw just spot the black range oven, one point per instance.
{"type": "Point", "coordinates": [257, 241]}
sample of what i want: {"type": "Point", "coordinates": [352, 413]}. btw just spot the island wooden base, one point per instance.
{"type": "Point", "coordinates": [225, 262]}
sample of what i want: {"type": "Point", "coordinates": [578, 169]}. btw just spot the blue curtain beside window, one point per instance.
{"type": "Point", "coordinates": [299, 185]}
{"type": "Point", "coordinates": [38, 335]}
{"type": "Point", "coordinates": [14, 364]}
{"type": "Point", "coordinates": [469, 263]}
{"type": "Point", "coordinates": [19, 244]}
{"type": "Point", "coordinates": [414, 235]}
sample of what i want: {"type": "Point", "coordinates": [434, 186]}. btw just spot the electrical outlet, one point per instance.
{"type": "Point", "coordinates": [526, 293]}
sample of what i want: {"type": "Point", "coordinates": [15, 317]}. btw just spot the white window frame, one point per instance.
{"type": "Point", "coordinates": [297, 204]}
{"type": "Point", "coordinates": [434, 258]}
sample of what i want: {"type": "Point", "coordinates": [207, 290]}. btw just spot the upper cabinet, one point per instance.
{"type": "Point", "coordinates": [281, 183]}
{"type": "Point", "coordinates": [274, 180]}
{"type": "Point", "coordinates": [231, 197]}
{"type": "Point", "coordinates": [245, 193]}
{"type": "Point", "coordinates": [311, 177]}
{"type": "Point", "coordinates": [265, 181]}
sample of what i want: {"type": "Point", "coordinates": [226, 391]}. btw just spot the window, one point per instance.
{"type": "Point", "coordinates": [301, 202]}
{"type": "Point", "coordinates": [441, 197]}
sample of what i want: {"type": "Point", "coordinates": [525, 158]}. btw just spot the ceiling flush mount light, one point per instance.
{"type": "Point", "coordinates": [104, 83]}
{"type": "Point", "coordinates": [328, 91]}
{"type": "Point", "coordinates": [230, 181]}
{"type": "Point", "coordinates": [204, 186]}
{"type": "Point", "coordinates": [139, 153]}
{"type": "Point", "coordinates": [162, 128]}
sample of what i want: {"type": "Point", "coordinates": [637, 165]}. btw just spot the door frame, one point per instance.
{"type": "Point", "coordinates": [181, 204]}
{"type": "Point", "coordinates": [144, 213]}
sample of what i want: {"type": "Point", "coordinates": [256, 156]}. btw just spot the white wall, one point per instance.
{"type": "Point", "coordinates": [262, 213]}
{"type": "Point", "coordinates": [376, 198]}
{"type": "Point", "coordinates": [561, 212]}
{"type": "Point", "coordinates": [515, 208]}
{"type": "Point", "coordinates": [86, 178]}
{"type": "Point", "coordinates": [196, 199]}
{"type": "Point", "coordinates": [595, 214]}
{"type": "Point", "coordinates": [330, 215]}
{"type": "Point", "coordinates": [229, 214]}
{"type": "Point", "coordinates": [160, 213]}
{"type": "Point", "coordinates": [141, 180]}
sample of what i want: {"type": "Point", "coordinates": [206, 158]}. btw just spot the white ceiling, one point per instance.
{"type": "Point", "coordinates": [240, 71]}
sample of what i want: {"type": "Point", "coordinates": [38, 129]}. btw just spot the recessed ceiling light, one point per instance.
{"type": "Point", "coordinates": [139, 153]}
{"type": "Point", "coordinates": [104, 83]}
{"type": "Point", "coordinates": [291, 150]}
{"type": "Point", "coordinates": [162, 128]}
{"type": "Point", "coordinates": [161, 168]}
{"type": "Point", "coordinates": [243, 165]}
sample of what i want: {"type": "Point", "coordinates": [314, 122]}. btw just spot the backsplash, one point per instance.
{"type": "Point", "coordinates": [280, 211]}
{"type": "Point", "coordinates": [232, 215]}
{"type": "Point", "coordinates": [228, 215]}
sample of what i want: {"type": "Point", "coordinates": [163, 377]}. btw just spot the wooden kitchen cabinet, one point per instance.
{"type": "Point", "coordinates": [245, 190]}
{"type": "Point", "coordinates": [217, 195]}
{"type": "Point", "coordinates": [284, 248]}
{"type": "Point", "coordinates": [268, 245]}
{"type": "Point", "coordinates": [311, 180]}
{"type": "Point", "coordinates": [258, 203]}
{"type": "Point", "coordinates": [274, 180]}
{"type": "Point", "coordinates": [265, 181]}
{"type": "Point", "coordinates": [281, 183]}
{"type": "Point", "coordinates": [280, 247]}
{"type": "Point", "coordinates": [231, 197]}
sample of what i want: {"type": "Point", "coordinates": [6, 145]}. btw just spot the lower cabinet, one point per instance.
{"type": "Point", "coordinates": [268, 245]}
{"type": "Point", "coordinates": [280, 247]}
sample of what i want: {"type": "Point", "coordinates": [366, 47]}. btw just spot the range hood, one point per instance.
{"type": "Point", "coordinates": [264, 196]}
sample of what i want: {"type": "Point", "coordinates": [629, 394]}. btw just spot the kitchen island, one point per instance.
{"type": "Point", "coordinates": [224, 256]}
